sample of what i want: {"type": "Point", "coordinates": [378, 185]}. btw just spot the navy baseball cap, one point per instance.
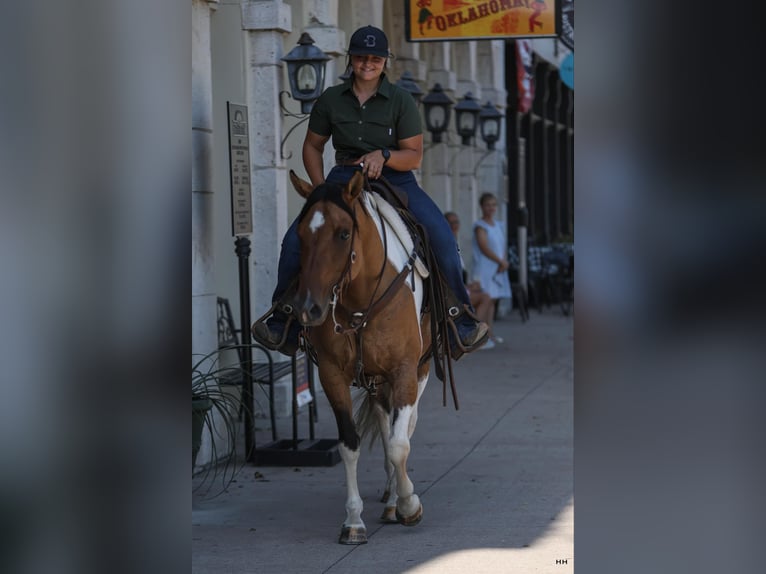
{"type": "Point", "coordinates": [368, 40]}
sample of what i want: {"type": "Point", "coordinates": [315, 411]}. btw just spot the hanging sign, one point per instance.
{"type": "Point", "coordinates": [239, 170]}
{"type": "Point", "coordinates": [525, 75]}
{"type": "Point", "coordinates": [434, 20]}
{"type": "Point", "coordinates": [303, 392]}
{"type": "Point", "coordinates": [566, 26]}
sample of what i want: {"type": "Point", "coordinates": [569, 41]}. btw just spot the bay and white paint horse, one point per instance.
{"type": "Point", "coordinates": [362, 305]}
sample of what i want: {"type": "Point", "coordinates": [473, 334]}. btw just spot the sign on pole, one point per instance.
{"type": "Point", "coordinates": [438, 20]}
{"type": "Point", "coordinates": [567, 23]}
{"type": "Point", "coordinates": [239, 170]}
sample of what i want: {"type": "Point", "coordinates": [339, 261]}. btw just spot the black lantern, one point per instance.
{"type": "Point", "coordinates": [489, 118]}
{"type": "Point", "coordinates": [466, 117]}
{"type": "Point", "coordinates": [407, 82]}
{"type": "Point", "coordinates": [305, 68]}
{"type": "Point", "coordinates": [437, 106]}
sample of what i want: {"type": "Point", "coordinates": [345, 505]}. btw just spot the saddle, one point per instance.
{"type": "Point", "coordinates": [444, 307]}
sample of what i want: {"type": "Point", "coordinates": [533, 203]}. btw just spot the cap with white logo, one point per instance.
{"type": "Point", "coordinates": [368, 40]}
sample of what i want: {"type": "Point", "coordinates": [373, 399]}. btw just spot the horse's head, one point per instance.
{"type": "Point", "coordinates": [327, 228]}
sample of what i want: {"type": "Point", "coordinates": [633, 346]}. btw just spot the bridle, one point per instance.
{"type": "Point", "coordinates": [360, 319]}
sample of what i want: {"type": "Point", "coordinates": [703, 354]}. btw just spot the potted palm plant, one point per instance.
{"type": "Point", "coordinates": [215, 419]}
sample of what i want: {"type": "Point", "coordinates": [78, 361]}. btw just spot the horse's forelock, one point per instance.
{"type": "Point", "coordinates": [331, 192]}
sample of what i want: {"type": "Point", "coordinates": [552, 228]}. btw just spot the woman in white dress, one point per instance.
{"type": "Point", "coordinates": [490, 268]}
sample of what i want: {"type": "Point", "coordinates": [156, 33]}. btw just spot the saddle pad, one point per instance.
{"type": "Point", "coordinates": [389, 214]}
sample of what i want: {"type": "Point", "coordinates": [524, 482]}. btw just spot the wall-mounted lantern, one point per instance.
{"type": "Point", "coordinates": [489, 120]}
{"type": "Point", "coordinates": [467, 117]}
{"type": "Point", "coordinates": [437, 106]}
{"type": "Point", "coordinates": [305, 68]}
{"type": "Point", "coordinates": [407, 82]}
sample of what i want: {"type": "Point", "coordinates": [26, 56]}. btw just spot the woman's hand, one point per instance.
{"type": "Point", "coordinates": [372, 164]}
{"type": "Point", "coordinates": [503, 266]}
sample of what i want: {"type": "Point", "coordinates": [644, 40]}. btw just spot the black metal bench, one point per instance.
{"type": "Point", "coordinates": [265, 372]}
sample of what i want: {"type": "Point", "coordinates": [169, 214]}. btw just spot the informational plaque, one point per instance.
{"type": "Point", "coordinates": [239, 170]}
{"type": "Point", "coordinates": [303, 393]}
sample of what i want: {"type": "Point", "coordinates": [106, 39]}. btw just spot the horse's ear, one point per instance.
{"type": "Point", "coordinates": [353, 188]}
{"type": "Point", "coordinates": [301, 186]}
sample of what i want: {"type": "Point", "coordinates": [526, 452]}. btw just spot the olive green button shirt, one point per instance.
{"type": "Point", "coordinates": [387, 117]}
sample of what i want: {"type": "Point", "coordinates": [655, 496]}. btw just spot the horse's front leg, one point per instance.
{"type": "Point", "coordinates": [338, 393]}
{"type": "Point", "coordinates": [389, 494]}
{"type": "Point", "coordinates": [406, 395]}
{"type": "Point", "coordinates": [353, 530]}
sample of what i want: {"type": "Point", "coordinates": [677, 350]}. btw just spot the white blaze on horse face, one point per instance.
{"type": "Point", "coordinates": [317, 221]}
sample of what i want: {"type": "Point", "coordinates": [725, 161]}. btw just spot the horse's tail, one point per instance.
{"type": "Point", "coordinates": [366, 407]}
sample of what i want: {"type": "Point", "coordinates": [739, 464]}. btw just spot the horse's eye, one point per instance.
{"type": "Point", "coordinates": [344, 235]}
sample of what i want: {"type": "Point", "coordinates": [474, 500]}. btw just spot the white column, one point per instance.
{"type": "Point", "coordinates": [491, 171]}
{"type": "Point", "coordinates": [360, 13]}
{"type": "Point", "coordinates": [321, 17]}
{"type": "Point", "coordinates": [465, 198]}
{"type": "Point", "coordinates": [465, 65]}
{"type": "Point", "coordinates": [407, 55]}
{"type": "Point", "coordinates": [437, 173]}
{"type": "Point", "coordinates": [204, 332]}
{"type": "Point", "coordinates": [265, 23]}
{"type": "Point", "coordinates": [466, 202]}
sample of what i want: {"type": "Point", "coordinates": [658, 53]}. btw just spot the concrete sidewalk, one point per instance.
{"type": "Point", "coordinates": [495, 479]}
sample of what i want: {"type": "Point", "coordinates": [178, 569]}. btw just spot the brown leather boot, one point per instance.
{"type": "Point", "coordinates": [471, 332]}
{"type": "Point", "coordinates": [279, 333]}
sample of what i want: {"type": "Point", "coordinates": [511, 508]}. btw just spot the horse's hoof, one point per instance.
{"type": "Point", "coordinates": [410, 520]}
{"type": "Point", "coordinates": [353, 535]}
{"type": "Point", "coordinates": [386, 496]}
{"type": "Point", "coordinates": [389, 515]}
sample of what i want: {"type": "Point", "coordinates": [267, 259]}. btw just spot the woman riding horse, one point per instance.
{"type": "Point", "coordinates": [375, 126]}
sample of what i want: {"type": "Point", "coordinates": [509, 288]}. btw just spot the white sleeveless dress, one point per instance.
{"type": "Point", "coordinates": [484, 269]}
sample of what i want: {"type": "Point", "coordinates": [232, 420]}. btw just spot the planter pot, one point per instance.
{"type": "Point", "coordinates": [200, 408]}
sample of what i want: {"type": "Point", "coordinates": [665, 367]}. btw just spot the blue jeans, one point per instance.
{"type": "Point", "coordinates": [422, 207]}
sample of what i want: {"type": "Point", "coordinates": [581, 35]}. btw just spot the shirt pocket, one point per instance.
{"type": "Point", "coordinates": [381, 133]}
{"type": "Point", "coordinates": [347, 133]}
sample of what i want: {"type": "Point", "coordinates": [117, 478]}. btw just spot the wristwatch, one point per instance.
{"type": "Point", "coordinates": [386, 155]}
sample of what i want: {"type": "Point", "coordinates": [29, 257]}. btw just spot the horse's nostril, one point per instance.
{"type": "Point", "coordinates": [315, 312]}
{"type": "Point", "coordinates": [310, 312]}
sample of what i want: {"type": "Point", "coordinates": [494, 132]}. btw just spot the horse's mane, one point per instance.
{"type": "Point", "coordinates": [331, 192]}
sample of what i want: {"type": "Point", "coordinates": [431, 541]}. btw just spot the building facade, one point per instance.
{"type": "Point", "coordinates": [237, 48]}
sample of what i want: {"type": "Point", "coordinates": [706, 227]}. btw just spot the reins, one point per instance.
{"type": "Point", "coordinates": [360, 319]}
{"type": "Point", "coordinates": [441, 313]}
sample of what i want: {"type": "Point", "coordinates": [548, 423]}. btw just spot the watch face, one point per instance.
{"type": "Point", "coordinates": [386, 154]}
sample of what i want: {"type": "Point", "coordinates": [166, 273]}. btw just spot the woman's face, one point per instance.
{"type": "Point", "coordinates": [489, 207]}
{"type": "Point", "coordinates": [368, 67]}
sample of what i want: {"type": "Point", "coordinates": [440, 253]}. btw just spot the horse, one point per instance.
{"type": "Point", "coordinates": [360, 303]}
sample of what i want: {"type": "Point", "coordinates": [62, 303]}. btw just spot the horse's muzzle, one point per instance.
{"type": "Point", "coordinates": [311, 313]}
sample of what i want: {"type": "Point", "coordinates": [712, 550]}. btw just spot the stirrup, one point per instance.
{"type": "Point", "coordinates": [454, 313]}
{"type": "Point", "coordinates": [282, 344]}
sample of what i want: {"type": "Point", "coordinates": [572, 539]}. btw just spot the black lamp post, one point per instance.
{"type": "Point", "coordinates": [466, 117]}
{"type": "Point", "coordinates": [407, 82]}
{"type": "Point", "coordinates": [437, 106]}
{"type": "Point", "coordinates": [489, 118]}
{"type": "Point", "coordinates": [305, 68]}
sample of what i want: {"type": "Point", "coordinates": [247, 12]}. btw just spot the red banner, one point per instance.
{"type": "Point", "coordinates": [525, 75]}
